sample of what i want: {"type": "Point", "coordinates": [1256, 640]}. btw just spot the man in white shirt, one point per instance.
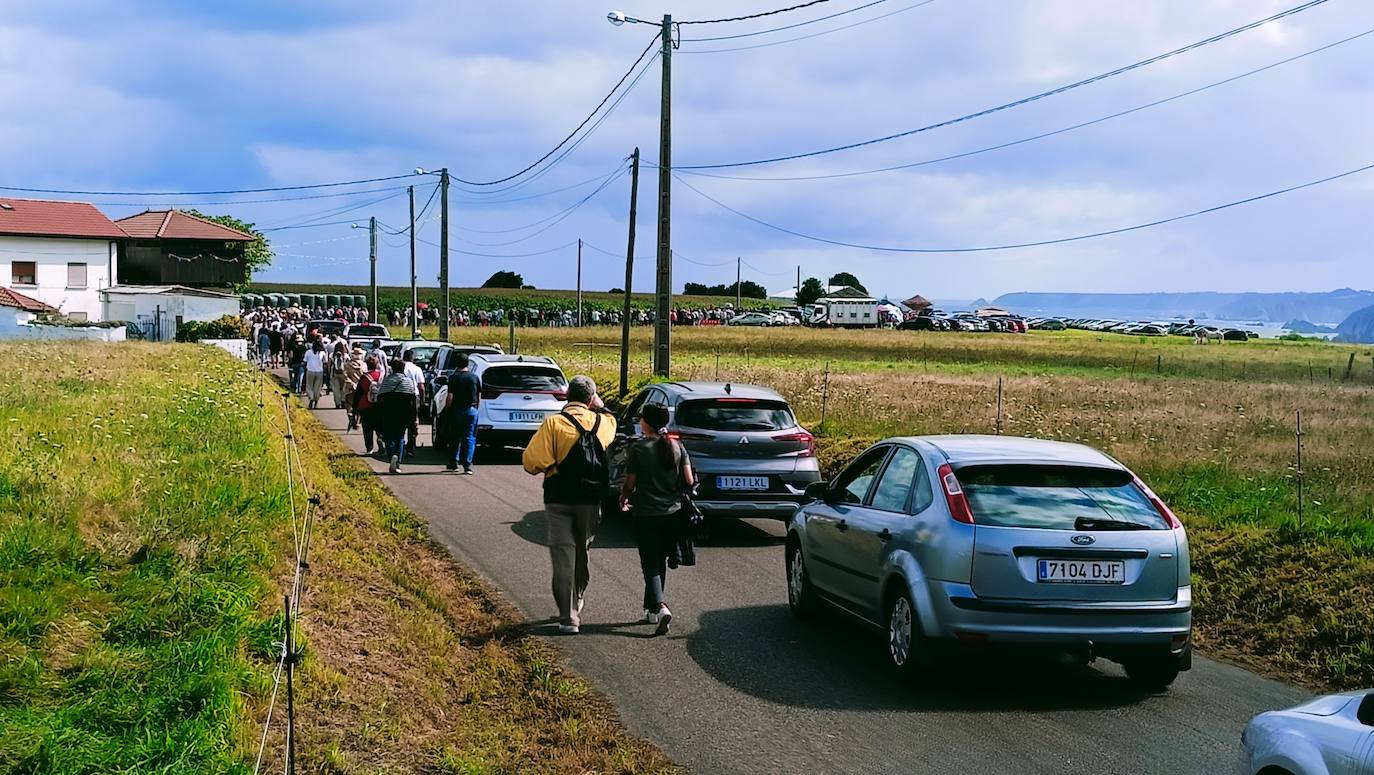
{"type": "Point", "coordinates": [315, 359]}
{"type": "Point", "coordinates": [416, 375]}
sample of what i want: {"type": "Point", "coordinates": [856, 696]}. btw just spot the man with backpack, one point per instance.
{"type": "Point", "coordinates": [569, 449]}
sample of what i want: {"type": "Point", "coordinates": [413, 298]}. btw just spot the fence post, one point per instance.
{"type": "Point", "coordinates": [717, 367]}
{"type": "Point", "coordinates": [290, 690]}
{"type": "Point", "coordinates": [825, 395]}
{"type": "Point", "coordinates": [1299, 471]}
{"type": "Point", "coordinates": [1159, 364]}
{"type": "Point", "coordinates": [512, 335]}
{"type": "Point", "coordinates": [999, 405]}
{"type": "Point", "coordinates": [1349, 366]}
{"type": "Point", "coordinates": [1135, 358]}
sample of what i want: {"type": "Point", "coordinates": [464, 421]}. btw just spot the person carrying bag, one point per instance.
{"type": "Point", "coordinates": [658, 480]}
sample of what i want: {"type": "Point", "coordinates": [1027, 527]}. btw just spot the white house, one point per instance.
{"type": "Point", "coordinates": [157, 311]}
{"type": "Point", "coordinates": [59, 253]}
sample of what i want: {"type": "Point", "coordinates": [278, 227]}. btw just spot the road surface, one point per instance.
{"type": "Point", "coordinates": [738, 686]}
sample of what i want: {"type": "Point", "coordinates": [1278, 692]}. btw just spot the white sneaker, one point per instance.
{"type": "Point", "coordinates": [664, 618]}
{"type": "Point", "coordinates": [395, 464]}
{"type": "Point", "coordinates": [567, 629]}
{"type": "Point", "coordinates": [650, 617]}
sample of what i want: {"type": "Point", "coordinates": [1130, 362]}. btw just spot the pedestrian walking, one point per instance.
{"type": "Point", "coordinates": [297, 363]}
{"type": "Point", "coordinates": [569, 449]}
{"type": "Point", "coordinates": [657, 473]}
{"type": "Point", "coordinates": [417, 376]}
{"type": "Point", "coordinates": [336, 372]}
{"type": "Point", "coordinates": [394, 409]}
{"type": "Point", "coordinates": [264, 346]}
{"type": "Point", "coordinates": [464, 396]}
{"type": "Point", "coordinates": [353, 374]}
{"type": "Point", "coordinates": [364, 397]}
{"type": "Point", "coordinates": [314, 360]}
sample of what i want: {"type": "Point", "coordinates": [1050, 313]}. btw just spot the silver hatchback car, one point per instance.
{"type": "Point", "coordinates": [942, 540]}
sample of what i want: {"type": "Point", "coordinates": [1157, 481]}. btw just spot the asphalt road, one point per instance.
{"type": "Point", "coordinates": [739, 686]}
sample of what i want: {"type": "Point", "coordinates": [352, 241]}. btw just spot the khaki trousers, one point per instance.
{"type": "Point", "coordinates": [571, 529]}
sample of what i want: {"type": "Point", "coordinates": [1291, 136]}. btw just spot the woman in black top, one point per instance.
{"type": "Point", "coordinates": [658, 471]}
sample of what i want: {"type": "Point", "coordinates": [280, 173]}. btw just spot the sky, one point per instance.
{"type": "Point", "coordinates": [143, 96]}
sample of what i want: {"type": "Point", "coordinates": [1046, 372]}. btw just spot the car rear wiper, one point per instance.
{"type": "Point", "coordinates": [1092, 523]}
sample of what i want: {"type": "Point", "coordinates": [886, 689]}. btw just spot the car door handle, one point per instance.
{"type": "Point", "coordinates": [886, 535]}
{"type": "Point", "coordinates": [842, 525]}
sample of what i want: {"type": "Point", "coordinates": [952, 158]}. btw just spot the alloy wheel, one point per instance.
{"type": "Point", "coordinates": [796, 578]}
{"type": "Point", "coordinates": [899, 632]}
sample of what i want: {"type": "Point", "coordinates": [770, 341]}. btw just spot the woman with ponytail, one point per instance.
{"type": "Point", "coordinates": [657, 473]}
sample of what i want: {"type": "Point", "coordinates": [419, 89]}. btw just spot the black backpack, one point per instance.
{"type": "Point", "coordinates": [583, 474]}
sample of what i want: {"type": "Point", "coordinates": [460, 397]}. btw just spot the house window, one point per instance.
{"type": "Point", "coordinates": [76, 275]}
{"type": "Point", "coordinates": [25, 272]}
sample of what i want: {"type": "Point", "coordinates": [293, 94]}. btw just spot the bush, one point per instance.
{"type": "Point", "coordinates": [227, 327]}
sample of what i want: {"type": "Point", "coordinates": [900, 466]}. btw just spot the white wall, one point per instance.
{"type": "Point", "coordinates": [51, 256]}
{"type": "Point", "coordinates": [127, 306]}
{"type": "Point", "coordinates": [54, 333]}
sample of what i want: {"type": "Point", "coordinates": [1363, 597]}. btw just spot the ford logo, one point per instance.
{"type": "Point", "coordinates": [1083, 540]}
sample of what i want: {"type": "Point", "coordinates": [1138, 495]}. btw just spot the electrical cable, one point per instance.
{"type": "Point", "coordinates": [335, 211]}
{"type": "Point", "coordinates": [564, 246]}
{"type": "Point", "coordinates": [786, 26]}
{"type": "Point", "coordinates": [756, 15]}
{"type": "Point", "coordinates": [1038, 243]}
{"type": "Point", "coordinates": [676, 254]}
{"type": "Point", "coordinates": [580, 126]}
{"type": "Point", "coordinates": [541, 194]}
{"type": "Point", "coordinates": [763, 272]}
{"type": "Point", "coordinates": [161, 205]}
{"type": "Point", "coordinates": [213, 193]}
{"type": "Point", "coordinates": [841, 28]}
{"type": "Point", "coordinates": [1024, 100]}
{"type": "Point", "coordinates": [556, 218]}
{"type": "Point", "coordinates": [419, 217]}
{"type": "Point", "coordinates": [1040, 136]}
{"type": "Point", "coordinates": [587, 244]}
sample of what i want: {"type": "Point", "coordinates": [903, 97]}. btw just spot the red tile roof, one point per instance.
{"type": "Point", "coordinates": [11, 298]}
{"type": "Point", "coordinates": [175, 224]}
{"type": "Point", "coordinates": [43, 218]}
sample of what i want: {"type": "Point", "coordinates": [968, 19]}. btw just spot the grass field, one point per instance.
{"type": "Point", "coordinates": [1212, 428]}
{"type": "Point", "coordinates": [145, 543]}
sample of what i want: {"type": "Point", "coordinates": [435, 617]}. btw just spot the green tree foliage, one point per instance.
{"type": "Point", "coordinates": [748, 289]}
{"type": "Point", "coordinates": [617, 290]}
{"type": "Point", "coordinates": [256, 255]}
{"type": "Point", "coordinates": [845, 278]}
{"type": "Point", "coordinates": [811, 289]}
{"type": "Point", "coordinates": [504, 279]}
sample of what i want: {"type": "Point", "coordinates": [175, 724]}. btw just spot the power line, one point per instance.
{"type": "Point", "coordinates": [757, 15]}
{"type": "Point", "coordinates": [564, 246]}
{"type": "Point", "coordinates": [1022, 101]}
{"type": "Point", "coordinates": [676, 254]}
{"type": "Point", "coordinates": [584, 123]}
{"type": "Point", "coordinates": [787, 26]}
{"type": "Point", "coordinates": [1040, 136]}
{"type": "Point", "coordinates": [335, 211]}
{"type": "Point", "coordinates": [549, 222]}
{"type": "Point", "coordinates": [1039, 243]}
{"type": "Point", "coordinates": [539, 195]}
{"type": "Point", "coordinates": [587, 244]}
{"type": "Point", "coordinates": [211, 193]}
{"type": "Point", "coordinates": [841, 28]}
{"type": "Point", "coordinates": [248, 201]}
{"type": "Point", "coordinates": [764, 272]}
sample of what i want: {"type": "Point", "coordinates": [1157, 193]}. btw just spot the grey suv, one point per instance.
{"type": "Point", "coordinates": [751, 457]}
{"type": "Point", "coordinates": [998, 540]}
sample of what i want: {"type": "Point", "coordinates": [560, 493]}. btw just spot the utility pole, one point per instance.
{"type": "Point", "coordinates": [737, 288]}
{"type": "Point", "coordinates": [414, 292]}
{"type": "Point", "coordinates": [797, 295]}
{"type": "Point", "coordinates": [579, 281]}
{"type": "Point", "coordinates": [664, 284]}
{"type": "Point", "coordinates": [629, 279]}
{"type": "Point", "coordinates": [443, 251]}
{"type": "Point", "coordinates": [372, 256]}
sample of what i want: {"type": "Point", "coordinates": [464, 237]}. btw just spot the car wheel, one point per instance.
{"type": "Point", "coordinates": [903, 635]}
{"type": "Point", "coordinates": [1153, 674]}
{"type": "Point", "coordinates": [801, 595]}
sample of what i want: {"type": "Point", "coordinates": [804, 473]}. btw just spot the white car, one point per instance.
{"type": "Point", "coordinates": [362, 333]}
{"type": "Point", "coordinates": [1331, 735]}
{"type": "Point", "coordinates": [518, 392]}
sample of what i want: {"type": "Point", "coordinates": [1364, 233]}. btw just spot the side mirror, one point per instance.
{"type": "Point", "coordinates": [440, 381]}
{"type": "Point", "coordinates": [817, 491]}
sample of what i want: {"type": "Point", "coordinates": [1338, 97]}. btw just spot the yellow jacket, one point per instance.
{"type": "Point", "coordinates": [555, 438]}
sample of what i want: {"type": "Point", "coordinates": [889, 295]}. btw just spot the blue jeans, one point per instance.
{"type": "Point", "coordinates": [297, 377]}
{"type": "Point", "coordinates": [465, 439]}
{"type": "Point", "coordinates": [396, 445]}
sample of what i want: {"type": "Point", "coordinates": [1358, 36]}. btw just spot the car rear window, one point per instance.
{"type": "Point", "coordinates": [735, 414]}
{"type": "Point", "coordinates": [424, 355]}
{"type": "Point", "coordinates": [1057, 498]}
{"type": "Point", "coordinates": [366, 331]}
{"type": "Point", "coordinates": [523, 378]}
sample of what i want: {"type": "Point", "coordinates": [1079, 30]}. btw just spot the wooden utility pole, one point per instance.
{"type": "Point", "coordinates": [738, 299]}
{"type": "Point", "coordinates": [372, 256]}
{"type": "Point", "coordinates": [443, 252]}
{"type": "Point", "coordinates": [797, 295]}
{"type": "Point", "coordinates": [414, 291]}
{"type": "Point", "coordinates": [664, 283]}
{"type": "Point", "coordinates": [579, 281]}
{"type": "Point", "coordinates": [629, 279]}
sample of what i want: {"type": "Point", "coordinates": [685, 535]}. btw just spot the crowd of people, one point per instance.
{"type": "Point", "coordinates": [275, 330]}
{"type": "Point", "coordinates": [401, 317]}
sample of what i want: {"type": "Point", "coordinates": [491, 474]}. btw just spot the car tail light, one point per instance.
{"type": "Point", "coordinates": [688, 436]}
{"type": "Point", "coordinates": [1164, 511]}
{"type": "Point", "coordinates": [954, 495]}
{"type": "Point", "coordinates": [560, 395]}
{"type": "Point", "coordinates": [807, 441]}
{"type": "Point", "coordinates": [489, 394]}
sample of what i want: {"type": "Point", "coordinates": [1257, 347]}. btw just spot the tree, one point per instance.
{"type": "Point", "coordinates": [256, 254]}
{"type": "Point", "coordinates": [504, 279]}
{"type": "Point", "coordinates": [845, 278]}
{"type": "Point", "coordinates": [811, 289]}
{"type": "Point", "coordinates": [620, 291]}
{"type": "Point", "coordinates": [748, 289]}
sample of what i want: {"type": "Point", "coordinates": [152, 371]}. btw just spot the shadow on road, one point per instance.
{"type": "Point", "coordinates": [836, 664]}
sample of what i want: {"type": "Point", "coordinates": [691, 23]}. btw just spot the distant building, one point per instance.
{"type": "Point", "coordinates": [16, 309]}
{"type": "Point", "coordinates": [155, 312]}
{"type": "Point", "coordinates": [172, 247]}
{"type": "Point", "coordinates": [58, 253]}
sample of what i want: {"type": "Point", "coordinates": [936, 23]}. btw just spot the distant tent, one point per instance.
{"type": "Point", "coordinates": [917, 302]}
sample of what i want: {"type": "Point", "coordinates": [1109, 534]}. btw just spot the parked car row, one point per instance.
{"type": "Point", "coordinates": [1144, 328]}
{"type": "Point", "coordinates": [939, 320]}
{"type": "Point", "coordinates": [767, 318]}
